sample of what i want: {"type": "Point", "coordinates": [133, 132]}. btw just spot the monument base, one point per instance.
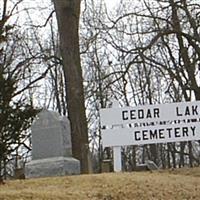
{"type": "Point", "coordinates": [56, 166]}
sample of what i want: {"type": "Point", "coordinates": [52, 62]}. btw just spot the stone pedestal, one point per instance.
{"type": "Point", "coordinates": [51, 147]}
{"type": "Point", "coordinates": [57, 166]}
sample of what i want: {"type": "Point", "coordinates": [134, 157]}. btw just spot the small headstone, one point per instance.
{"type": "Point", "coordinates": [151, 165]}
{"type": "Point", "coordinates": [19, 170]}
{"type": "Point", "coordinates": [19, 173]}
{"type": "Point", "coordinates": [106, 166]}
{"type": "Point", "coordinates": [141, 167]}
{"type": "Point", "coordinates": [51, 147]}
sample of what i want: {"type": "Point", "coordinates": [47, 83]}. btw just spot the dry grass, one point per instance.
{"type": "Point", "coordinates": [164, 185]}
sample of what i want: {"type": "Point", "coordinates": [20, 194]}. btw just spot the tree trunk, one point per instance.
{"type": "Point", "coordinates": [182, 160]}
{"type": "Point", "coordinates": [68, 12]}
{"type": "Point", "coordinates": [168, 156]}
{"type": "Point", "coordinates": [191, 160]}
{"type": "Point", "coordinates": [173, 150]}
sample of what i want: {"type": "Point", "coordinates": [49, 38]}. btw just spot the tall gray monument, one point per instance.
{"type": "Point", "coordinates": [51, 147]}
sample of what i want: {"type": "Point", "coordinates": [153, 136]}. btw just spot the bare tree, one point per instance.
{"type": "Point", "coordinates": [68, 13]}
{"type": "Point", "coordinates": [153, 49]}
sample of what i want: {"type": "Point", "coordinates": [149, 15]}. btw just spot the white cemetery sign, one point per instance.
{"type": "Point", "coordinates": [149, 124]}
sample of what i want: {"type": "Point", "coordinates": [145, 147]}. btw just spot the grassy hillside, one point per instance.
{"type": "Point", "coordinates": [177, 184]}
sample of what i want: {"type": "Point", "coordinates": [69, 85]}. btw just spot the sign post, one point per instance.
{"type": "Point", "coordinates": [150, 124]}
{"type": "Point", "coordinates": [117, 156]}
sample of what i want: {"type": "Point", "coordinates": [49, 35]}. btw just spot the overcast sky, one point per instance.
{"type": "Point", "coordinates": [111, 3]}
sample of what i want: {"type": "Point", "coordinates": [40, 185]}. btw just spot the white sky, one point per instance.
{"type": "Point", "coordinates": [111, 3]}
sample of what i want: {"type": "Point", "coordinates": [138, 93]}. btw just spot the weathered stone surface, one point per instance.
{"type": "Point", "coordinates": [51, 147]}
{"type": "Point", "coordinates": [151, 165]}
{"type": "Point", "coordinates": [141, 167]}
{"type": "Point", "coordinates": [57, 166]}
{"type": "Point", "coordinates": [51, 136]}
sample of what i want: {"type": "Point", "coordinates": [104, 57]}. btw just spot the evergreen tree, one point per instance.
{"type": "Point", "coordinates": [16, 114]}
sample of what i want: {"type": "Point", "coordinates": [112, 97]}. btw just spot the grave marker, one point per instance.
{"type": "Point", "coordinates": [51, 147]}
